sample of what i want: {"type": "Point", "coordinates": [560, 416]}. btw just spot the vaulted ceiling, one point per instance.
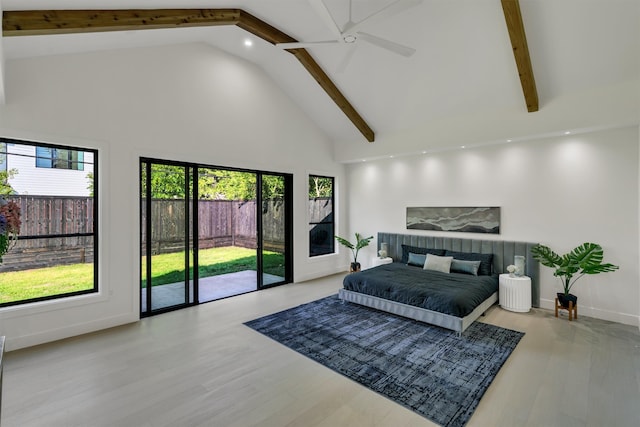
{"type": "Point", "coordinates": [463, 73]}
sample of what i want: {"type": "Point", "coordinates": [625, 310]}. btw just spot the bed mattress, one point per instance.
{"type": "Point", "coordinates": [449, 293]}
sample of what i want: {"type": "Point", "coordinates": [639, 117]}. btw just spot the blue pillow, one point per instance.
{"type": "Point", "coordinates": [486, 260]}
{"type": "Point", "coordinates": [416, 259]}
{"type": "Point", "coordinates": [465, 267]}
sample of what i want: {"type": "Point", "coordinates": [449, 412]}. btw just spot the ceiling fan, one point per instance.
{"type": "Point", "coordinates": [350, 33]}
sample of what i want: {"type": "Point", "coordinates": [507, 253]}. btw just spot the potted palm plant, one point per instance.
{"type": "Point", "coordinates": [585, 259]}
{"type": "Point", "coordinates": [361, 242]}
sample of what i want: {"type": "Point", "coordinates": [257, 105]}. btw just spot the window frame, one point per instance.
{"type": "Point", "coordinates": [331, 223]}
{"type": "Point", "coordinates": [95, 289]}
{"type": "Point", "coordinates": [54, 160]}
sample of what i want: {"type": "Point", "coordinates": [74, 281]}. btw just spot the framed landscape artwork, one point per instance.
{"type": "Point", "coordinates": [462, 219]}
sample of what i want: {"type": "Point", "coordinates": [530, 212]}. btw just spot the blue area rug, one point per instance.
{"type": "Point", "coordinates": [427, 369]}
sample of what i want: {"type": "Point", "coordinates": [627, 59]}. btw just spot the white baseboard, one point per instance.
{"type": "Point", "coordinates": [624, 318]}
{"type": "Point", "coordinates": [16, 343]}
{"type": "Point", "coordinates": [321, 273]}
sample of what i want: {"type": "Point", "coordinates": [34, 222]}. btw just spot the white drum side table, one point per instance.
{"type": "Point", "coordinates": [514, 293]}
{"type": "Point", "coordinates": [376, 261]}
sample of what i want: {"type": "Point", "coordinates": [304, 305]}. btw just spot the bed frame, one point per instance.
{"type": "Point", "coordinates": [503, 253]}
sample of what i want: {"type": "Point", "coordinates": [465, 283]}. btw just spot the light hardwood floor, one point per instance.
{"type": "Point", "coordinates": [201, 367]}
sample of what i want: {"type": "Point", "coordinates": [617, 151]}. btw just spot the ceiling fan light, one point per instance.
{"type": "Point", "coordinates": [349, 38]}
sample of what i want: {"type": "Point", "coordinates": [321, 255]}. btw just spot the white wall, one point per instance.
{"type": "Point", "coordinates": [559, 191]}
{"type": "Point", "coordinates": [186, 102]}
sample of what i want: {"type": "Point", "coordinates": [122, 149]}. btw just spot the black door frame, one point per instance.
{"type": "Point", "coordinates": [191, 234]}
{"type": "Point", "coordinates": [288, 229]}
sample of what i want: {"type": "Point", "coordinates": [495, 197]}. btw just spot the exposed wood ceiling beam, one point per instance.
{"type": "Point", "coordinates": [51, 22]}
{"type": "Point", "coordinates": [48, 22]}
{"type": "Point", "coordinates": [314, 69]}
{"type": "Point", "coordinates": [515, 26]}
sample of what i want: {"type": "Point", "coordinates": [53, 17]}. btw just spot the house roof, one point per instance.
{"type": "Point", "coordinates": [461, 87]}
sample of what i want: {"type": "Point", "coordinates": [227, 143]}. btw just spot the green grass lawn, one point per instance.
{"type": "Point", "coordinates": [167, 268]}
{"type": "Point", "coordinates": [43, 282]}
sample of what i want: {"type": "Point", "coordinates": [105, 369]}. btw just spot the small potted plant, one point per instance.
{"type": "Point", "coordinates": [361, 242]}
{"type": "Point", "coordinates": [585, 259]}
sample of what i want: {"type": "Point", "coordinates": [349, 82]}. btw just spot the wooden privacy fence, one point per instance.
{"type": "Point", "coordinates": [221, 223]}
{"type": "Point", "coordinates": [320, 209]}
{"type": "Point", "coordinates": [46, 216]}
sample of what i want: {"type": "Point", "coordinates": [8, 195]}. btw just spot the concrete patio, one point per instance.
{"type": "Point", "coordinates": [211, 288]}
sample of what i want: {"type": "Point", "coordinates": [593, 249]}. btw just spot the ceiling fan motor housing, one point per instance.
{"type": "Point", "coordinates": [350, 38]}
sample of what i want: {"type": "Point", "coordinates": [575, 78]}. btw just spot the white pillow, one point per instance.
{"type": "Point", "coordinates": [438, 263]}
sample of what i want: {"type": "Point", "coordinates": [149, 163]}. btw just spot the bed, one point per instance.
{"type": "Point", "coordinates": [452, 299]}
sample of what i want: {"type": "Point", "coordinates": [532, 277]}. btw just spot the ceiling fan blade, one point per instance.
{"type": "Point", "coordinates": [346, 59]}
{"type": "Point", "coordinates": [350, 22]}
{"type": "Point", "coordinates": [321, 9]}
{"type": "Point", "coordinates": [302, 45]}
{"type": "Point", "coordinates": [392, 9]}
{"type": "Point", "coordinates": [387, 44]}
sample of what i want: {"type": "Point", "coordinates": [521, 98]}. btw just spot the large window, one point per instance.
{"type": "Point", "coordinates": [321, 222]}
{"type": "Point", "coordinates": [59, 158]}
{"type": "Point", "coordinates": [54, 252]}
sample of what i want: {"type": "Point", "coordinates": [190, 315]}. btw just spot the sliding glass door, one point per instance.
{"type": "Point", "coordinates": [227, 233]}
{"type": "Point", "coordinates": [166, 261]}
{"type": "Point", "coordinates": [273, 242]}
{"type": "Point", "coordinates": [209, 233]}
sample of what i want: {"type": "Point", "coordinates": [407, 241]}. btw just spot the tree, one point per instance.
{"type": "Point", "coordinates": [272, 187]}
{"type": "Point", "coordinates": [320, 186]}
{"type": "Point", "coordinates": [5, 188]}
{"type": "Point", "coordinates": [167, 182]}
{"type": "Point", "coordinates": [90, 186]}
{"type": "Point", "coordinates": [235, 185]}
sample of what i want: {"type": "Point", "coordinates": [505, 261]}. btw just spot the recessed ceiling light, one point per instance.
{"type": "Point", "coordinates": [248, 42]}
{"type": "Point", "coordinates": [462, 146]}
{"type": "Point", "coordinates": [364, 160]}
{"type": "Point", "coordinates": [509, 140]}
{"type": "Point", "coordinates": [567, 133]}
{"type": "Point", "coordinates": [424, 152]}
{"type": "Point", "coordinates": [391, 157]}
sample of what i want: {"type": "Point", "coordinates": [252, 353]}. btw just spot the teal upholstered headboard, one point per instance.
{"type": "Point", "coordinates": [503, 252]}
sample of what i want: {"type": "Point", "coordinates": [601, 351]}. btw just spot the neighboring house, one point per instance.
{"type": "Point", "coordinates": [46, 171]}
